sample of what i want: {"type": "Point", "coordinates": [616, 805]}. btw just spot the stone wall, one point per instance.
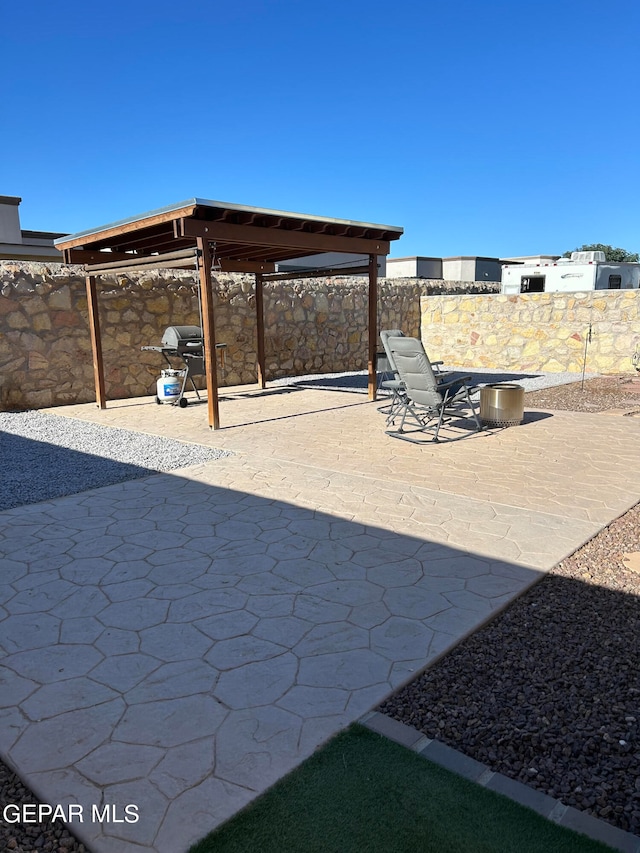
{"type": "Point", "coordinates": [536, 331]}
{"type": "Point", "coordinates": [45, 347]}
{"type": "Point", "coordinates": [311, 326]}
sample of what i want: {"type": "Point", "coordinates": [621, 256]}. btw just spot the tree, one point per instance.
{"type": "Point", "coordinates": [610, 252]}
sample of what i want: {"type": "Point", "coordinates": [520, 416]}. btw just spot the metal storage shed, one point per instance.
{"type": "Point", "coordinates": [196, 233]}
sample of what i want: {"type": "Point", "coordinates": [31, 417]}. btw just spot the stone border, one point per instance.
{"type": "Point", "coordinates": [455, 761]}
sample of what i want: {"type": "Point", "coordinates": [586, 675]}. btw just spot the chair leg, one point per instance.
{"type": "Point", "coordinates": [397, 402]}
{"type": "Point", "coordinates": [404, 415]}
{"type": "Point", "coordinates": [473, 410]}
{"type": "Point", "coordinates": [389, 410]}
{"type": "Point", "coordinates": [439, 424]}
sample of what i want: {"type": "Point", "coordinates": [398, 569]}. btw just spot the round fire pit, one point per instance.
{"type": "Point", "coordinates": [502, 405]}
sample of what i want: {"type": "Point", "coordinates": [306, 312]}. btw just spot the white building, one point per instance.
{"type": "Point", "coordinates": [582, 271]}
{"type": "Point", "coordinates": [461, 268]}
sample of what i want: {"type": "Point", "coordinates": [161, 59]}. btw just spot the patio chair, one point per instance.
{"type": "Point", "coordinates": [394, 386]}
{"type": "Point", "coordinates": [427, 400]}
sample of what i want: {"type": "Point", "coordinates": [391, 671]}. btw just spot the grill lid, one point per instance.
{"type": "Point", "coordinates": [177, 337]}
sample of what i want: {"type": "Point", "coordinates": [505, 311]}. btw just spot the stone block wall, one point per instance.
{"type": "Point", "coordinates": [536, 331]}
{"type": "Point", "coordinates": [320, 325]}
{"type": "Point", "coordinates": [311, 326]}
{"type": "Point", "coordinates": [45, 347]}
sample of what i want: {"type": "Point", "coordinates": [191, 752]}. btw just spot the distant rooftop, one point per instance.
{"type": "Point", "coordinates": [17, 244]}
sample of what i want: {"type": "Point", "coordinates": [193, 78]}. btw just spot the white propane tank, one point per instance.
{"type": "Point", "coordinates": [169, 385]}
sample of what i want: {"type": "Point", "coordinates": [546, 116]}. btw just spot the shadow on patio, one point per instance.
{"type": "Point", "coordinates": [180, 645]}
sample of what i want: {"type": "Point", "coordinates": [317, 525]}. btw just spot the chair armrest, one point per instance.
{"type": "Point", "coordinates": [457, 381]}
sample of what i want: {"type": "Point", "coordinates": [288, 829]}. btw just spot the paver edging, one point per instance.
{"type": "Point", "coordinates": [548, 807]}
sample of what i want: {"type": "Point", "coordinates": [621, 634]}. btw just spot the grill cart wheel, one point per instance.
{"type": "Point", "coordinates": [183, 402]}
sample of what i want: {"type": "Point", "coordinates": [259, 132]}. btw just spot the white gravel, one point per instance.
{"type": "Point", "coordinates": [47, 456]}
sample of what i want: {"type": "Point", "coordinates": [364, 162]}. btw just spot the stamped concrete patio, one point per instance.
{"type": "Point", "coordinates": [180, 642]}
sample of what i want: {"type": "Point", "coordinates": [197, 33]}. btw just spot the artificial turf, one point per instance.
{"type": "Point", "coordinates": [362, 793]}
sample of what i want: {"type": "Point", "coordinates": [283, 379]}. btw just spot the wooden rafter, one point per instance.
{"type": "Point", "coordinates": [252, 235]}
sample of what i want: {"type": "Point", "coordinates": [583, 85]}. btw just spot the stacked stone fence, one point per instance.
{"type": "Point", "coordinates": [311, 326]}
{"type": "Point", "coordinates": [598, 331]}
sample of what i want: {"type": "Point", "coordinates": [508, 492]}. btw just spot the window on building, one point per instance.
{"type": "Point", "coordinates": [615, 282]}
{"type": "Point", "coordinates": [532, 284]}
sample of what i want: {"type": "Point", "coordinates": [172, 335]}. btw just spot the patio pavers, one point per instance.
{"type": "Point", "coordinates": [180, 642]}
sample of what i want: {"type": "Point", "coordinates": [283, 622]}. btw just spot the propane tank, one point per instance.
{"type": "Point", "coordinates": [169, 385]}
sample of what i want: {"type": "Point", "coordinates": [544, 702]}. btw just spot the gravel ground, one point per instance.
{"type": "Point", "coordinates": [597, 395]}
{"type": "Point", "coordinates": [548, 693]}
{"type": "Point", "coordinates": [47, 456]}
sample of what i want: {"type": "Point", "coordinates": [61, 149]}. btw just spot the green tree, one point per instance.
{"type": "Point", "coordinates": [610, 252]}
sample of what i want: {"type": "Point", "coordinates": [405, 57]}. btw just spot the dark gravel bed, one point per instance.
{"type": "Point", "coordinates": [548, 693]}
{"type": "Point", "coordinates": [594, 395]}
{"type": "Point", "coordinates": [31, 838]}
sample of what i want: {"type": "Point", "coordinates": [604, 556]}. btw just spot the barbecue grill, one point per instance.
{"type": "Point", "coordinates": [184, 343]}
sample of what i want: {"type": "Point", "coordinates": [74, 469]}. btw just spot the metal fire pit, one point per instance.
{"type": "Point", "coordinates": [502, 405]}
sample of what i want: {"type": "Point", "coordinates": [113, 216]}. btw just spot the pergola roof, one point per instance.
{"type": "Point", "coordinates": [206, 235]}
{"type": "Point", "coordinates": [242, 238]}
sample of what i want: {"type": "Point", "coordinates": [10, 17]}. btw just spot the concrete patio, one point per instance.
{"type": "Point", "coordinates": [180, 642]}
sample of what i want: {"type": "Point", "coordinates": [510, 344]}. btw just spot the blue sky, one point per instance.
{"type": "Point", "coordinates": [482, 128]}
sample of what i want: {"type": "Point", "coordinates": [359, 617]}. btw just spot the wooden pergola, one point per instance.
{"type": "Point", "coordinates": [199, 234]}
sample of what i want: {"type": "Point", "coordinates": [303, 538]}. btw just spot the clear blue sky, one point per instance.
{"type": "Point", "coordinates": [482, 128]}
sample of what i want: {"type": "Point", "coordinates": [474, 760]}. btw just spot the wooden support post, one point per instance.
{"type": "Point", "coordinates": [262, 376]}
{"type": "Point", "coordinates": [373, 325]}
{"type": "Point", "coordinates": [96, 341]}
{"type": "Point", "coordinates": [208, 331]}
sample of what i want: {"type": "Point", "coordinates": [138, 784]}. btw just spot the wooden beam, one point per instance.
{"type": "Point", "coordinates": [96, 341]}
{"type": "Point", "coordinates": [241, 253]}
{"type": "Point", "coordinates": [140, 267]}
{"type": "Point", "coordinates": [116, 230]}
{"type": "Point", "coordinates": [145, 260]}
{"type": "Point", "coordinates": [246, 266]}
{"type": "Point", "coordinates": [285, 276]}
{"type": "Point", "coordinates": [280, 238]}
{"type": "Point", "coordinates": [373, 325]}
{"type": "Point", "coordinates": [148, 242]}
{"type": "Point", "coordinates": [122, 262]}
{"type": "Point", "coordinates": [260, 331]}
{"type": "Point", "coordinates": [208, 332]}
{"type": "Point", "coordinates": [183, 258]}
{"type": "Point", "coordinates": [84, 257]}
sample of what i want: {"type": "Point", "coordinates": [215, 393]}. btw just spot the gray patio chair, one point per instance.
{"type": "Point", "coordinates": [396, 386]}
{"type": "Point", "coordinates": [426, 400]}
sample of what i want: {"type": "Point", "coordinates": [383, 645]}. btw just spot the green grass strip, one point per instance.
{"type": "Point", "coordinates": [362, 793]}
